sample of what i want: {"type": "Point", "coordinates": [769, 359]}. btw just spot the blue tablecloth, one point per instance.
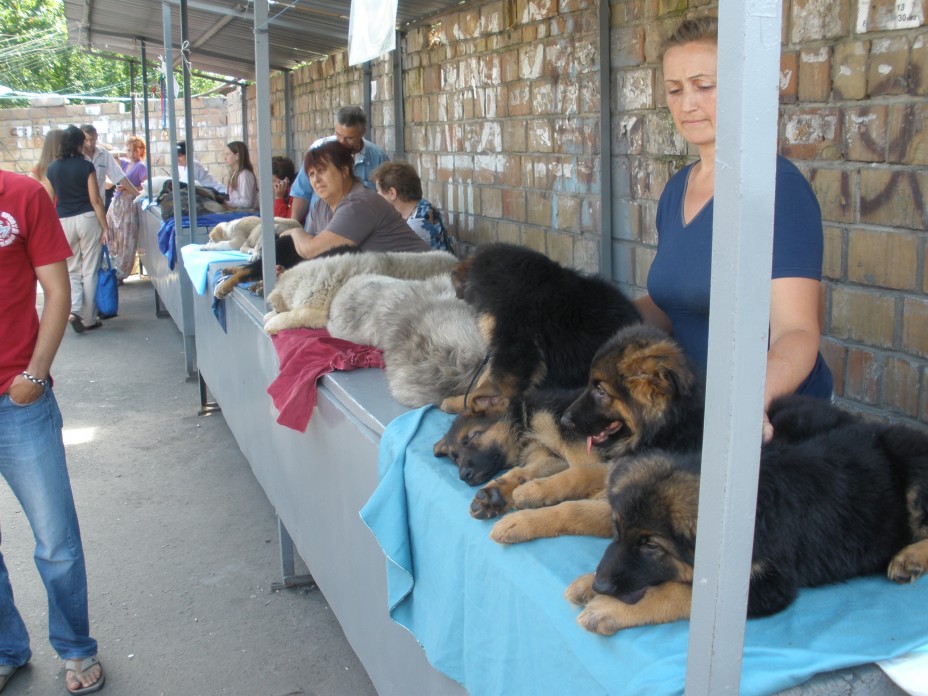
{"type": "Point", "coordinates": [167, 242]}
{"type": "Point", "coordinates": [197, 262]}
{"type": "Point", "coordinates": [493, 617]}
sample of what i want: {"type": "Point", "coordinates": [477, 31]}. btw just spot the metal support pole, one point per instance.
{"type": "Point", "coordinates": [739, 311]}
{"type": "Point", "coordinates": [243, 90]}
{"type": "Point", "coordinates": [399, 106]}
{"type": "Point", "coordinates": [263, 118]}
{"type": "Point", "coordinates": [366, 94]}
{"type": "Point", "coordinates": [288, 116]}
{"type": "Point", "coordinates": [288, 558]}
{"type": "Point", "coordinates": [605, 144]}
{"type": "Point", "coordinates": [147, 122]}
{"type": "Point", "coordinates": [132, 93]}
{"type": "Point", "coordinates": [188, 122]}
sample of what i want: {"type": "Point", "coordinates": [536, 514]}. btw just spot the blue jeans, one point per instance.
{"type": "Point", "coordinates": [32, 462]}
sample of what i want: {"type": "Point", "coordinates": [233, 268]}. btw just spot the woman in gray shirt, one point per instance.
{"type": "Point", "coordinates": [348, 213]}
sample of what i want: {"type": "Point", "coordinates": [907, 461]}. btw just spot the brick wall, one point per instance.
{"type": "Point", "coordinates": [22, 131]}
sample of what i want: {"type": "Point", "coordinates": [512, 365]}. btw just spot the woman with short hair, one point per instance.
{"type": "Point", "coordinates": [401, 187]}
{"type": "Point", "coordinates": [347, 212]}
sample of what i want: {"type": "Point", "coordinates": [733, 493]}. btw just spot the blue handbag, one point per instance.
{"type": "Point", "coordinates": [107, 300]}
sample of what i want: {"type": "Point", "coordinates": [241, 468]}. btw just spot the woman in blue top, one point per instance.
{"type": "Point", "coordinates": [678, 282]}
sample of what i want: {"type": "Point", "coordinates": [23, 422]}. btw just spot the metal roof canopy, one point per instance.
{"type": "Point", "coordinates": [221, 32]}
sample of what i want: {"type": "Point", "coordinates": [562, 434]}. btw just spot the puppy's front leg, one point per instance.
{"type": "Point", "coordinates": [664, 603]}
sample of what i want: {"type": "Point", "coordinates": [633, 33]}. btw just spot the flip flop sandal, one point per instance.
{"type": "Point", "coordinates": [91, 327]}
{"type": "Point", "coordinates": [6, 673]}
{"type": "Point", "coordinates": [79, 667]}
{"type": "Point", "coordinates": [77, 323]}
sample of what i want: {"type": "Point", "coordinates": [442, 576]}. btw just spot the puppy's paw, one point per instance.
{"type": "Point", "coordinates": [276, 324]}
{"type": "Point", "coordinates": [224, 288]}
{"type": "Point", "coordinates": [531, 494]}
{"type": "Point", "coordinates": [580, 591]}
{"type": "Point", "coordinates": [604, 615]}
{"type": "Point", "coordinates": [513, 529]}
{"type": "Point", "coordinates": [257, 288]}
{"type": "Point", "coordinates": [910, 563]}
{"type": "Point", "coordinates": [488, 502]}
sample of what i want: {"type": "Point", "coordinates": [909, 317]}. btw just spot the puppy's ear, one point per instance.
{"type": "Point", "coordinates": [459, 273]}
{"type": "Point", "coordinates": [441, 447]}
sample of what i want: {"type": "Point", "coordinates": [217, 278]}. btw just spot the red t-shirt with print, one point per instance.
{"type": "Point", "coordinates": [30, 236]}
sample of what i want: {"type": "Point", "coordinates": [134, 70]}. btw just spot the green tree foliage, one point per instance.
{"type": "Point", "coordinates": [35, 57]}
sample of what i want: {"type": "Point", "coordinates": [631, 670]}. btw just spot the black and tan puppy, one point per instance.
{"type": "Point", "coordinates": [838, 497]}
{"type": "Point", "coordinates": [252, 272]}
{"type": "Point", "coordinates": [542, 323]}
{"type": "Point", "coordinates": [642, 394]}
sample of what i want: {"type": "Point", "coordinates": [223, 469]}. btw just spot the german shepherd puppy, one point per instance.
{"type": "Point", "coordinates": [542, 323]}
{"type": "Point", "coordinates": [838, 497]}
{"type": "Point", "coordinates": [642, 394]}
{"type": "Point", "coordinates": [252, 272]}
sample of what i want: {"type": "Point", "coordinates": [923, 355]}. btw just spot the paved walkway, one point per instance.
{"type": "Point", "coordinates": [180, 540]}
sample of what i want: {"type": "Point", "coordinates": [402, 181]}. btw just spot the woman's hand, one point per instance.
{"type": "Point", "coordinates": [281, 188]}
{"type": "Point", "coordinates": [105, 236]}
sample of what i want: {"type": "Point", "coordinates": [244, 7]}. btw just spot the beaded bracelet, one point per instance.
{"type": "Point", "coordinates": [34, 379]}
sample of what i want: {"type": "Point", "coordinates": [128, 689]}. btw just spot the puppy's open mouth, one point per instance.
{"type": "Point", "coordinates": [632, 597]}
{"type": "Point", "coordinates": [601, 437]}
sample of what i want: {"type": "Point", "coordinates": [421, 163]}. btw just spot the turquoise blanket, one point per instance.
{"type": "Point", "coordinates": [493, 617]}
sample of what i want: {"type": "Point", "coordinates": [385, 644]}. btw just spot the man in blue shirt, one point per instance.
{"type": "Point", "coordinates": [350, 127]}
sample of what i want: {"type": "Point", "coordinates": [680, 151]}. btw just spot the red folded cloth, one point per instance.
{"type": "Point", "coordinates": [304, 356]}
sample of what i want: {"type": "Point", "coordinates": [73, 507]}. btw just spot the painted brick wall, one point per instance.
{"type": "Point", "coordinates": [853, 86]}
{"type": "Point", "coordinates": [22, 131]}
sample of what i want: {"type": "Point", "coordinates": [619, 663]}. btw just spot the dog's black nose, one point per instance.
{"type": "Point", "coordinates": [567, 421]}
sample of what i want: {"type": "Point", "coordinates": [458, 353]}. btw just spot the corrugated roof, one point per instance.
{"type": "Point", "coordinates": [221, 32]}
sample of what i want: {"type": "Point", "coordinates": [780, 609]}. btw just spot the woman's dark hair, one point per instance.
{"type": "Point", "coordinates": [244, 160]}
{"type": "Point", "coordinates": [401, 176]}
{"type": "Point", "coordinates": [72, 143]}
{"type": "Point", "coordinates": [330, 151]}
{"type": "Point", "coordinates": [698, 30]}
{"type": "Point", "coordinates": [283, 168]}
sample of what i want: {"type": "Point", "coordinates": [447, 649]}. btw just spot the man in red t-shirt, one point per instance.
{"type": "Point", "coordinates": [33, 248]}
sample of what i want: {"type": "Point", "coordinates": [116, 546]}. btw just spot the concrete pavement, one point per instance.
{"type": "Point", "coordinates": [180, 540]}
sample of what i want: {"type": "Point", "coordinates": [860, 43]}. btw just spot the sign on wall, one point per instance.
{"type": "Point", "coordinates": [371, 29]}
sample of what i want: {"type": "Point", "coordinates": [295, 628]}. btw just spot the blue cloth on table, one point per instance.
{"type": "Point", "coordinates": [493, 617]}
{"type": "Point", "coordinates": [197, 262]}
{"type": "Point", "coordinates": [167, 242]}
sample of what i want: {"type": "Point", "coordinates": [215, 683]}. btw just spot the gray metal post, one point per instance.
{"type": "Point", "coordinates": [243, 89]}
{"type": "Point", "coordinates": [265, 189]}
{"type": "Point", "coordinates": [366, 95]}
{"type": "Point", "coordinates": [399, 108]}
{"type": "Point", "coordinates": [745, 169]}
{"type": "Point", "coordinates": [288, 116]}
{"type": "Point", "coordinates": [186, 287]}
{"type": "Point", "coordinates": [188, 122]}
{"type": "Point", "coordinates": [147, 122]}
{"type": "Point", "coordinates": [605, 143]}
{"type": "Point", "coordinates": [132, 93]}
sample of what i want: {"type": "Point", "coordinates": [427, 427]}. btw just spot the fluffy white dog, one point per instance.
{"type": "Point", "coordinates": [430, 340]}
{"type": "Point", "coordinates": [304, 293]}
{"type": "Point", "coordinates": [244, 234]}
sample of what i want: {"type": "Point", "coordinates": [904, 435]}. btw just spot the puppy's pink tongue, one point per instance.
{"type": "Point", "coordinates": [589, 444]}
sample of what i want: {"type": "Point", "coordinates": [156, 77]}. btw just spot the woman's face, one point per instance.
{"type": "Point", "coordinates": [231, 158]}
{"type": "Point", "coordinates": [327, 180]}
{"type": "Point", "coordinates": [134, 151]}
{"type": "Point", "coordinates": [690, 73]}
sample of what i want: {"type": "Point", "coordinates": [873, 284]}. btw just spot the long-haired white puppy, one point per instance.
{"type": "Point", "coordinates": [430, 340]}
{"type": "Point", "coordinates": [303, 294]}
{"type": "Point", "coordinates": [244, 234]}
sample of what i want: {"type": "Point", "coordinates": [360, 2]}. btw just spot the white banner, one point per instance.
{"type": "Point", "coordinates": [371, 29]}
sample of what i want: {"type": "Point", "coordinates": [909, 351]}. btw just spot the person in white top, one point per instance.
{"type": "Point", "coordinates": [105, 164]}
{"type": "Point", "coordinates": [201, 175]}
{"type": "Point", "coordinates": [243, 185]}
